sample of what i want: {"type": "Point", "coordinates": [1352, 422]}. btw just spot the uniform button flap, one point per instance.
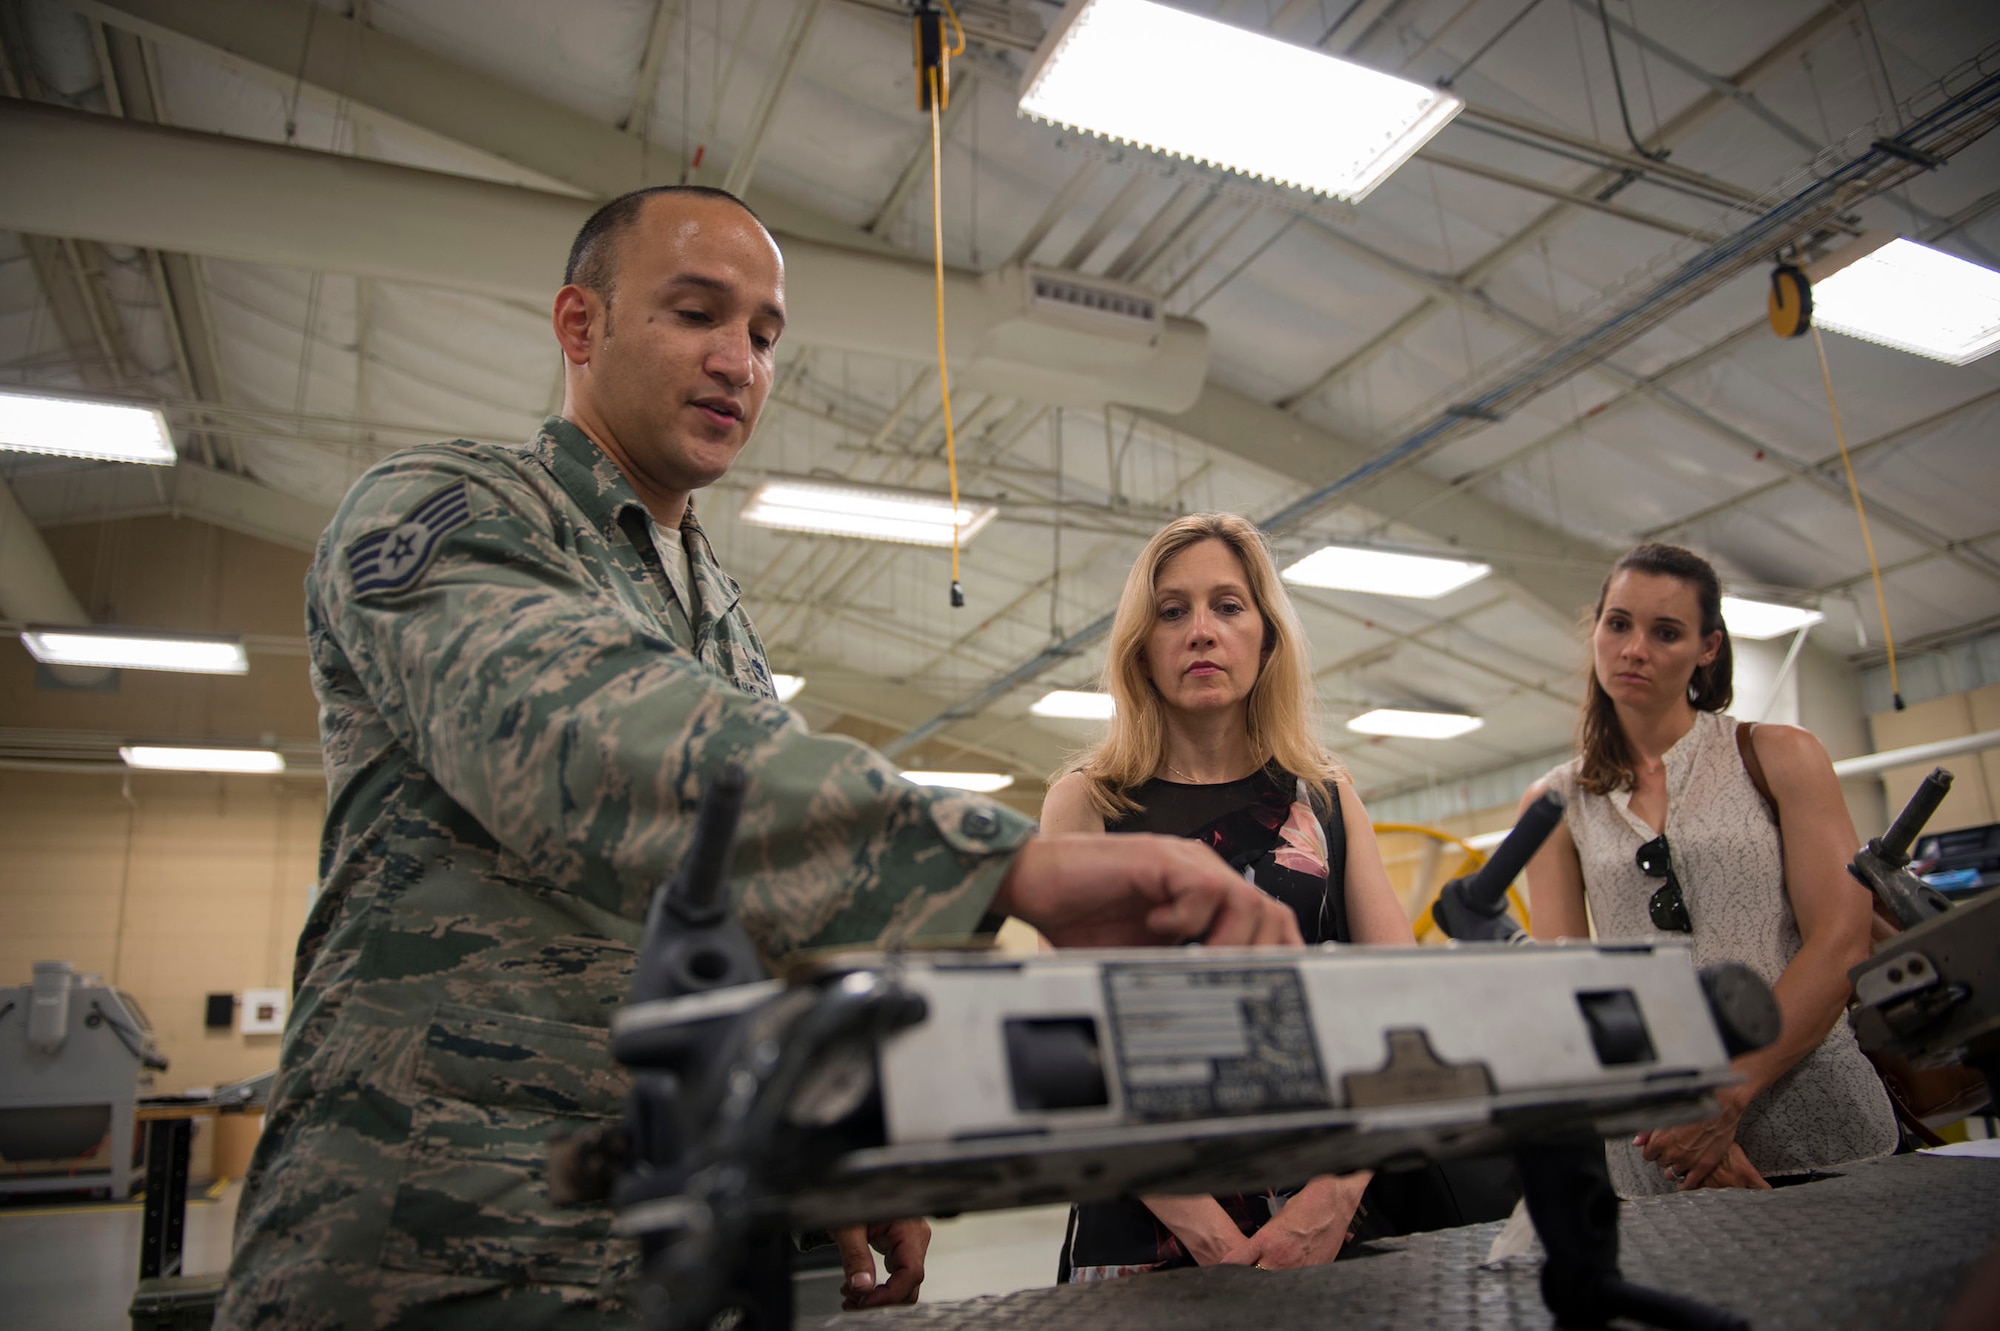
{"type": "Point", "coordinates": [978, 823]}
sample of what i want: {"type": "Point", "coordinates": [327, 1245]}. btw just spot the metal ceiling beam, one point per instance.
{"type": "Point", "coordinates": [1114, 212]}
{"type": "Point", "coordinates": [95, 361]}
{"type": "Point", "coordinates": [1567, 196]}
{"type": "Point", "coordinates": [1180, 206]}
{"type": "Point", "coordinates": [1265, 436]}
{"type": "Point", "coordinates": [833, 691]}
{"type": "Point", "coordinates": [1660, 171]}
{"type": "Point", "coordinates": [919, 165]}
{"type": "Point", "coordinates": [1417, 638]}
{"type": "Point", "coordinates": [62, 283]}
{"type": "Point", "coordinates": [1951, 122]}
{"type": "Point", "coordinates": [1854, 580]}
{"type": "Point", "coordinates": [1750, 102]}
{"type": "Point", "coordinates": [1954, 121]}
{"type": "Point", "coordinates": [1354, 27]}
{"type": "Point", "coordinates": [429, 95]}
{"type": "Point", "coordinates": [1064, 200]}
{"type": "Point", "coordinates": [1188, 234]}
{"type": "Point", "coordinates": [75, 174]}
{"type": "Point", "coordinates": [1654, 388]}
{"type": "Point", "coordinates": [220, 498]}
{"type": "Point", "coordinates": [744, 164]}
{"type": "Point", "coordinates": [32, 587]}
{"type": "Point", "coordinates": [1281, 443]}
{"type": "Point", "coordinates": [1408, 785]}
{"type": "Point", "coordinates": [1686, 122]}
{"type": "Point", "coordinates": [1828, 465]}
{"type": "Point", "coordinates": [130, 84]}
{"type": "Point", "coordinates": [288, 44]}
{"type": "Point", "coordinates": [1729, 88]}
{"type": "Point", "coordinates": [1634, 388]}
{"type": "Point", "coordinates": [646, 83]}
{"type": "Point", "coordinates": [1875, 656]}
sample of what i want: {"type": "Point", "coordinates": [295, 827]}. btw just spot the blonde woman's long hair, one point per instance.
{"type": "Point", "coordinates": [1283, 707]}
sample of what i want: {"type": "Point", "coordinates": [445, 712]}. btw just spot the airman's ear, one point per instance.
{"type": "Point", "coordinates": [580, 318]}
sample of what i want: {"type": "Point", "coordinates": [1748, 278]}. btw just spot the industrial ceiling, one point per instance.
{"type": "Point", "coordinates": [192, 243]}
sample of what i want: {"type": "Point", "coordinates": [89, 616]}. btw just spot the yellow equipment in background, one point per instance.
{"type": "Point", "coordinates": [1421, 860]}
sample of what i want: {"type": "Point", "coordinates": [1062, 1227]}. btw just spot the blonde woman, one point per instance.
{"type": "Point", "coordinates": [1216, 738]}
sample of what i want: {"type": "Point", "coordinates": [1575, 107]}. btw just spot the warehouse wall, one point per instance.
{"type": "Point", "coordinates": [172, 886]}
{"type": "Point", "coordinates": [180, 576]}
{"type": "Point", "coordinates": [1976, 776]}
{"type": "Point", "coordinates": [175, 886]}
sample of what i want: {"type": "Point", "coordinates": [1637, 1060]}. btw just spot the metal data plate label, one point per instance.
{"type": "Point", "coordinates": [1196, 1043]}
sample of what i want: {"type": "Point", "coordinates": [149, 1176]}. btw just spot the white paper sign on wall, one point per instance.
{"type": "Point", "coordinates": [261, 1012]}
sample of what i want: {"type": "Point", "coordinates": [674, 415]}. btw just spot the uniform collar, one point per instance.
{"type": "Point", "coordinates": [593, 480]}
{"type": "Point", "coordinates": [715, 591]}
{"type": "Point", "coordinates": [587, 473]}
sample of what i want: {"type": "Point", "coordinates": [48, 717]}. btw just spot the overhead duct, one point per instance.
{"type": "Point", "coordinates": [32, 590]}
{"type": "Point", "coordinates": [92, 177]}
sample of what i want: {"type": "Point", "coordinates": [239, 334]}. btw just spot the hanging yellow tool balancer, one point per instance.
{"type": "Point", "coordinates": [1789, 308]}
{"type": "Point", "coordinates": [933, 94]}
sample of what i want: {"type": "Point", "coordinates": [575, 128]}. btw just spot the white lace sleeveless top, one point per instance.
{"type": "Point", "coordinates": [1830, 1108]}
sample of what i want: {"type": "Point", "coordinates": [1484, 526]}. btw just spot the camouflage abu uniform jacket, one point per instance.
{"type": "Point", "coordinates": [516, 737]}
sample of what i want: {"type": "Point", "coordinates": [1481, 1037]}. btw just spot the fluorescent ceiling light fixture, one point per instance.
{"type": "Point", "coordinates": [829, 508]}
{"type": "Point", "coordinates": [788, 686]}
{"type": "Point", "coordinates": [78, 428]}
{"type": "Point", "coordinates": [1187, 86]}
{"type": "Point", "coordinates": [1071, 705]}
{"type": "Point", "coordinates": [136, 651]}
{"type": "Point", "coordinates": [1360, 568]}
{"type": "Point", "coordinates": [1765, 619]}
{"type": "Point", "coordinates": [985, 783]}
{"type": "Point", "coordinates": [1414, 725]}
{"type": "Point", "coordinates": [1913, 298]}
{"type": "Point", "coordinates": [174, 758]}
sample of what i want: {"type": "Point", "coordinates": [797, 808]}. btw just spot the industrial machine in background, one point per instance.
{"type": "Point", "coordinates": [873, 1087]}
{"type": "Point", "coordinates": [73, 1052]}
{"type": "Point", "coordinates": [1932, 992]}
{"type": "Point", "coordinates": [1960, 863]}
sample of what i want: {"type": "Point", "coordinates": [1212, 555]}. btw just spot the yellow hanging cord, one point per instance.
{"type": "Point", "coordinates": [1854, 489]}
{"type": "Point", "coordinates": [944, 375]}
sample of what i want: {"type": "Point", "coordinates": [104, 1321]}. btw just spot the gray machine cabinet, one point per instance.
{"type": "Point", "coordinates": [72, 1051]}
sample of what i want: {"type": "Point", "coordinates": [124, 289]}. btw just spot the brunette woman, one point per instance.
{"type": "Point", "coordinates": [1668, 832]}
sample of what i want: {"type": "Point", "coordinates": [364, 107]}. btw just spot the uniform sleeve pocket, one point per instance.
{"type": "Point", "coordinates": [473, 1199]}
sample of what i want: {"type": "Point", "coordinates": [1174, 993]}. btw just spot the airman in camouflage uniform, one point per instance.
{"type": "Point", "coordinates": [519, 714]}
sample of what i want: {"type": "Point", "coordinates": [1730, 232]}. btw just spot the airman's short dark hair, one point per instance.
{"type": "Point", "coordinates": [593, 255]}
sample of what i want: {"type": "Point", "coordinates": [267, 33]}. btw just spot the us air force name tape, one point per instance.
{"type": "Point", "coordinates": [387, 561]}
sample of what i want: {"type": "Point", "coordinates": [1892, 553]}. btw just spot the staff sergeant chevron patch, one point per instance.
{"type": "Point", "coordinates": [390, 560]}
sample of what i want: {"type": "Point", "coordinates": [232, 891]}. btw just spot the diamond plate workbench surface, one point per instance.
{"type": "Point", "coordinates": [1883, 1245]}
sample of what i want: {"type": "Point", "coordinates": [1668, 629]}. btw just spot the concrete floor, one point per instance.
{"type": "Point", "coordinates": [73, 1266]}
